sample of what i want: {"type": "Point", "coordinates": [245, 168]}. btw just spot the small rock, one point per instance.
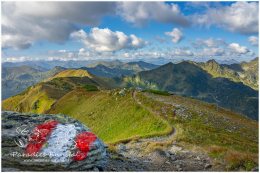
{"type": "Point", "coordinates": [179, 169]}
{"type": "Point", "coordinates": [173, 158]}
{"type": "Point", "coordinates": [146, 161]}
{"type": "Point", "coordinates": [175, 149]}
{"type": "Point", "coordinates": [121, 148]}
{"type": "Point", "coordinates": [255, 169]}
{"type": "Point", "coordinates": [198, 158]}
{"type": "Point", "coordinates": [95, 169]}
{"type": "Point", "coordinates": [167, 162]}
{"type": "Point", "coordinates": [167, 154]}
{"type": "Point", "coordinates": [207, 166]}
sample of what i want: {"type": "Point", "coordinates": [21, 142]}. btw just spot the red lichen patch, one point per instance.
{"type": "Point", "coordinates": [83, 143]}
{"type": "Point", "coordinates": [39, 136]}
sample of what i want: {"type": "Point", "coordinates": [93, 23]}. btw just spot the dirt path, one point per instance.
{"type": "Point", "coordinates": [156, 138]}
{"type": "Point", "coordinates": [140, 156]}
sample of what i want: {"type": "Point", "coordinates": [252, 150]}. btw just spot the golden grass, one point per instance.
{"type": "Point", "coordinates": [236, 160]}
{"type": "Point", "coordinates": [72, 73]}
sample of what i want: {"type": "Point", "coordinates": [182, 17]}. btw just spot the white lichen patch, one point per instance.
{"type": "Point", "coordinates": [61, 143]}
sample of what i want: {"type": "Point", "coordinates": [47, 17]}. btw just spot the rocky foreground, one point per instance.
{"type": "Point", "coordinates": [17, 130]}
{"type": "Point", "coordinates": [32, 142]}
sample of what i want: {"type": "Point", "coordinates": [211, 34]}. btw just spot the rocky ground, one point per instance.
{"type": "Point", "coordinates": [132, 157]}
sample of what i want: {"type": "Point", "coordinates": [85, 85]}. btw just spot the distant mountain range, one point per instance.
{"type": "Point", "coordinates": [118, 68]}
{"type": "Point", "coordinates": [231, 86]}
{"type": "Point", "coordinates": [150, 117]}
{"type": "Point", "coordinates": [246, 72]}
{"type": "Point", "coordinates": [189, 79]}
{"type": "Point", "coordinates": [49, 64]}
{"type": "Point", "coordinates": [78, 64]}
{"type": "Point", "coordinates": [17, 79]}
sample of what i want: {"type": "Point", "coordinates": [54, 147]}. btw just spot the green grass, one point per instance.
{"type": "Point", "coordinates": [165, 93]}
{"type": "Point", "coordinates": [225, 135]}
{"type": "Point", "coordinates": [90, 87]}
{"type": "Point", "coordinates": [34, 100]}
{"type": "Point", "coordinates": [112, 117]}
{"type": "Point", "coordinates": [209, 129]}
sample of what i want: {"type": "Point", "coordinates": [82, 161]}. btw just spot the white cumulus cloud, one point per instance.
{"type": "Point", "coordinates": [182, 52]}
{"type": "Point", "coordinates": [236, 48]}
{"type": "Point", "coordinates": [176, 35]}
{"type": "Point", "coordinates": [105, 40]}
{"type": "Point", "coordinates": [212, 51]}
{"type": "Point", "coordinates": [24, 23]}
{"type": "Point", "coordinates": [139, 13]}
{"type": "Point", "coordinates": [253, 40]}
{"type": "Point", "coordinates": [210, 42]}
{"type": "Point", "coordinates": [240, 17]}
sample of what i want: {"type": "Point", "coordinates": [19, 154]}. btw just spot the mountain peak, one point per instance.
{"type": "Point", "coordinates": [212, 61]}
{"type": "Point", "coordinates": [59, 68]}
{"type": "Point", "coordinates": [169, 64]}
{"type": "Point", "coordinates": [255, 59]}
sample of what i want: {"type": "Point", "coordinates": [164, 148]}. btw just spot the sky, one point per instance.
{"type": "Point", "coordinates": [129, 30]}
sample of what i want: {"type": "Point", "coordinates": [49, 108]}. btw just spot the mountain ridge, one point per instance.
{"type": "Point", "coordinates": [245, 72]}
{"type": "Point", "coordinates": [188, 79]}
{"type": "Point", "coordinates": [17, 79]}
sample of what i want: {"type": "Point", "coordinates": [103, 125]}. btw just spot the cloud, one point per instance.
{"type": "Point", "coordinates": [176, 35]}
{"type": "Point", "coordinates": [24, 23]}
{"type": "Point", "coordinates": [18, 59]}
{"type": "Point", "coordinates": [105, 40]}
{"type": "Point", "coordinates": [236, 48]}
{"type": "Point", "coordinates": [240, 17]}
{"type": "Point", "coordinates": [182, 52]}
{"type": "Point", "coordinates": [213, 51]}
{"type": "Point", "coordinates": [219, 47]}
{"type": "Point", "coordinates": [62, 51]}
{"type": "Point", "coordinates": [210, 43]}
{"type": "Point", "coordinates": [140, 13]}
{"type": "Point", "coordinates": [253, 40]}
{"type": "Point", "coordinates": [15, 41]}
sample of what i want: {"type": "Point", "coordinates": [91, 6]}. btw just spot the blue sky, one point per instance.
{"type": "Point", "coordinates": [226, 30]}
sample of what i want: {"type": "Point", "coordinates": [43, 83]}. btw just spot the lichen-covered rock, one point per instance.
{"type": "Point", "coordinates": [48, 142]}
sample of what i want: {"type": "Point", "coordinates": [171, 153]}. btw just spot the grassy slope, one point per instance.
{"type": "Point", "coordinates": [35, 100]}
{"type": "Point", "coordinates": [111, 116]}
{"type": "Point", "coordinates": [73, 73]}
{"type": "Point", "coordinates": [227, 136]}
{"type": "Point", "coordinates": [42, 96]}
{"type": "Point", "coordinates": [17, 79]}
{"type": "Point", "coordinates": [224, 134]}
